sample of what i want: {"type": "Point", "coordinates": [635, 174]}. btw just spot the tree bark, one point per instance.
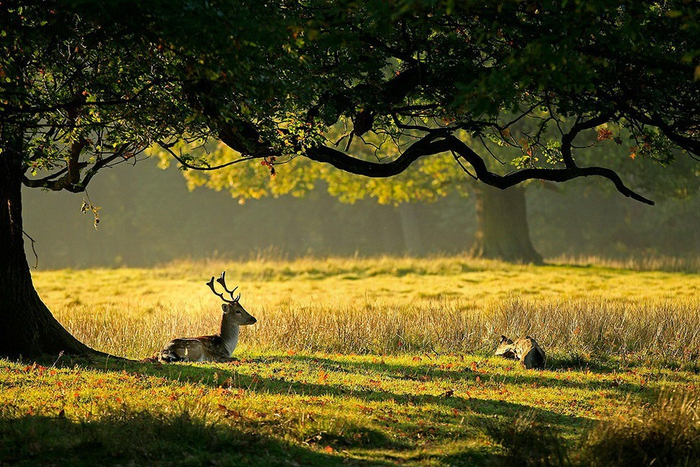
{"type": "Point", "coordinates": [502, 228]}
{"type": "Point", "coordinates": [27, 327]}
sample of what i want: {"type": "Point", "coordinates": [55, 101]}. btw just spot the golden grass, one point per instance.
{"type": "Point", "coordinates": [386, 305]}
{"type": "Point", "coordinates": [636, 263]}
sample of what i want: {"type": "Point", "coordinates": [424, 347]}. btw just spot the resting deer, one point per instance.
{"type": "Point", "coordinates": [526, 349]}
{"type": "Point", "coordinates": [216, 348]}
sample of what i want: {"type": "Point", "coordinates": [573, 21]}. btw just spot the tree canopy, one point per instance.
{"type": "Point", "coordinates": [421, 79]}
{"type": "Point", "coordinates": [88, 84]}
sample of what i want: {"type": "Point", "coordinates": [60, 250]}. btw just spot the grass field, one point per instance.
{"type": "Point", "coordinates": [367, 361]}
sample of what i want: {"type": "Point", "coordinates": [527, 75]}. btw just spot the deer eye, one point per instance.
{"type": "Point", "coordinates": [238, 312]}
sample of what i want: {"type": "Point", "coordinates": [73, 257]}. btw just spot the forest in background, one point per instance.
{"type": "Point", "coordinates": [148, 217]}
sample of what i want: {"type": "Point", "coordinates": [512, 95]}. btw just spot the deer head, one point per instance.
{"type": "Point", "coordinates": [505, 348]}
{"type": "Point", "coordinates": [231, 306]}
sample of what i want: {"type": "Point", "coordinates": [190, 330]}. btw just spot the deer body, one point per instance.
{"type": "Point", "coordinates": [217, 347]}
{"type": "Point", "coordinates": [526, 349]}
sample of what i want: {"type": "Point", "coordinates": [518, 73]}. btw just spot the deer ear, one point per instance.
{"type": "Point", "coordinates": [224, 308]}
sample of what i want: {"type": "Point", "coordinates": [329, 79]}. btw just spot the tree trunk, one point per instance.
{"type": "Point", "coordinates": [502, 229]}
{"type": "Point", "coordinates": [27, 327]}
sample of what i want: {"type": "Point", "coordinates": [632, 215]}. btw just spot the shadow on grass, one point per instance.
{"type": "Point", "coordinates": [476, 407]}
{"type": "Point", "coordinates": [385, 438]}
{"type": "Point", "coordinates": [216, 376]}
{"type": "Point", "coordinates": [143, 439]}
{"type": "Point", "coordinates": [140, 438]}
{"type": "Point", "coordinates": [548, 379]}
{"type": "Point", "coordinates": [225, 377]}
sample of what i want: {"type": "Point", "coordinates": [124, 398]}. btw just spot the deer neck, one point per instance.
{"type": "Point", "coordinates": [229, 333]}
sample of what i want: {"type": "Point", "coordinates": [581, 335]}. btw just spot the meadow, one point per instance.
{"type": "Point", "coordinates": [368, 361]}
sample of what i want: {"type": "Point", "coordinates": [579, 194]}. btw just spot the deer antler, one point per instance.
{"type": "Point", "coordinates": [222, 280]}
{"type": "Point", "coordinates": [211, 286]}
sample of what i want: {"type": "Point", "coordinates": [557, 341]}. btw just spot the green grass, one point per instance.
{"type": "Point", "coordinates": [361, 361]}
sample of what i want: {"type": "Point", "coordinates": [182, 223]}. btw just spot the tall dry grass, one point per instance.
{"type": "Point", "coordinates": [120, 329]}
{"type": "Point", "coordinates": [388, 305]}
{"type": "Point", "coordinates": [663, 329]}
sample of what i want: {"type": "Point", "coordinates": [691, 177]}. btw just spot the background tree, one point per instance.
{"type": "Point", "coordinates": [86, 86]}
{"type": "Point", "coordinates": [540, 129]}
{"type": "Point", "coordinates": [501, 215]}
{"type": "Point", "coordinates": [140, 227]}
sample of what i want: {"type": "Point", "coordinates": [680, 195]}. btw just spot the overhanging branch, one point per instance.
{"type": "Point", "coordinates": [435, 143]}
{"type": "Point", "coordinates": [567, 139]}
{"type": "Point", "coordinates": [551, 175]}
{"type": "Point", "coordinates": [428, 145]}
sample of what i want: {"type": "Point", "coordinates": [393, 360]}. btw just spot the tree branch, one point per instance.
{"type": "Point", "coordinates": [200, 168]}
{"type": "Point", "coordinates": [65, 177]}
{"type": "Point", "coordinates": [426, 146]}
{"type": "Point", "coordinates": [552, 175]}
{"type": "Point", "coordinates": [567, 139]}
{"type": "Point", "coordinates": [689, 144]}
{"type": "Point", "coordinates": [92, 171]}
{"type": "Point", "coordinates": [71, 181]}
{"type": "Point", "coordinates": [438, 142]}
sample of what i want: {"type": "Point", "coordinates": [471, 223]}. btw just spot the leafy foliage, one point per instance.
{"type": "Point", "coordinates": [87, 85]}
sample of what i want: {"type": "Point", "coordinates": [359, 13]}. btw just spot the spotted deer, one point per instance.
{"type": "Point", "coordinates": [216, 348]}
{"type": "Point", "coordinates": [525, 349]}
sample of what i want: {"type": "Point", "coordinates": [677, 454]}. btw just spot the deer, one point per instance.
{"type": "Point", "coordinates": [526, 349]}
{"type": "Point", "coordinates": [218, 347]}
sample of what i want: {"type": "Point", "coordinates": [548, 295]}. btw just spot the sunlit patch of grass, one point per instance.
{"type": "Point", "coordinates": [641, 263]}
{"type": "Point", "coordinates": [443, 305]}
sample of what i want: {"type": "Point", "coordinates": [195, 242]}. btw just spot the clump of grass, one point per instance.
{"type": "Point", "coordinates": [663, 329]}
{"type": "Point", "coordinates": [667, 433]}
{"type": "Point", "coordinates": [527, 442]}
{"type": "Point", "coordinates": [128, 332]}
{"type": "Point", "coordinates": [368, 328]}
